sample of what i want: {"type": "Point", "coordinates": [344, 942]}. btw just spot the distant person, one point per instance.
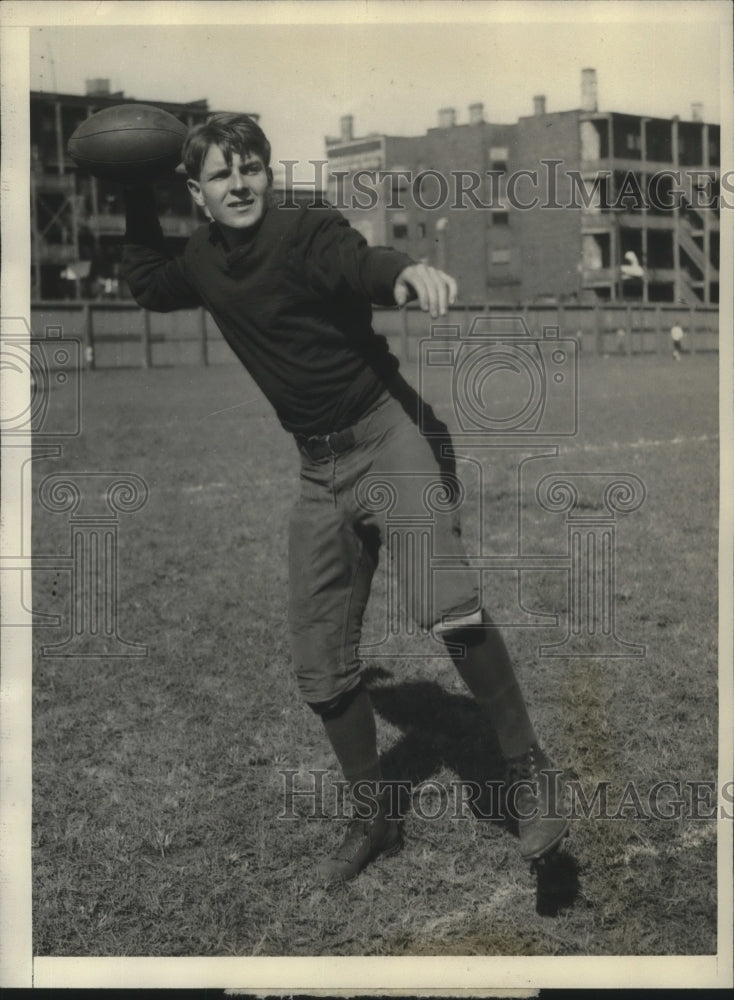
{"type": "Point", "coordinates": [621, 338]}
{"type": "Point", "coordinates": [676, 336]}
{"type": "Point", "coordinates": [291, 291]}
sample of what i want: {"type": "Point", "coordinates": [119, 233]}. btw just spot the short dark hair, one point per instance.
{"type": "Point", "coordinates": [232, 132]}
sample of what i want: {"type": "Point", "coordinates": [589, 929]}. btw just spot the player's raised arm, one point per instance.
{"type": "Point", "coordinates": [156, 280]}
{"type": "Point", "coordinates": [135, 145]}
{"type": "Point", "coordinates": [434, 289]}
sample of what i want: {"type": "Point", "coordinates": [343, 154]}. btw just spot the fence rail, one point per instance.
{"type": "Point", "coordinates": [118, 333]}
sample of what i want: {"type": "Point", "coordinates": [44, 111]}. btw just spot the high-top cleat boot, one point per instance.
{"type": "Point", "coordinates": [364, 840]}
{"type": "Point", "coordinates": [532, 794]}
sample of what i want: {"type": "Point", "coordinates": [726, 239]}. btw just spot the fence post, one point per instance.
{"type": "Point", "coordinates": [88, 337]}
{"type": "Point", "coordinates": [597, 330]}
{"type": "Point", "coordinates": [147, 354]}
{"type": "Point", "coordinates": [204, 356]}
{"type": "Point", "coordinates": [404, 333]}
{"type": "Point", "coordinates": [629, 330]}
{"type": "Point", "coordinates": [658, 329]}
{"type": "Point", "coordinates": [692, 328]}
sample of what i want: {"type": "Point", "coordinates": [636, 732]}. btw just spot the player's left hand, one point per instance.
{"type": "Point", "coordinates": [434, 289]}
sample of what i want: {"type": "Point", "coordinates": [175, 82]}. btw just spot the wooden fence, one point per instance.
{"type": "Point", "coordinates": [117, 334]}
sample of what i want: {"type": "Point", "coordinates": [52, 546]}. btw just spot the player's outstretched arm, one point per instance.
{"type": "Point", "coordinates": [434, 289]}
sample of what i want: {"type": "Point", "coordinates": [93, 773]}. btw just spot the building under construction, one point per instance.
{"type": "Point", "coordinates": [568, 206]}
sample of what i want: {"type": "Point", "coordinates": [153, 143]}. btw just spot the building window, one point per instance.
{"type": "Point", "coordinates": [498, 156]}
{"type": "Point", "coordinates": [591, 141]}
{"type": "Point", "coordinates": [595, 251]}
{"type": "Point", "coordinates": [633, 141]}
{"type": "Point", "coordinates": [400, 231]}
{"type": "Point", "coordinates": [500, 218]}
{"type": "Point", "coordinates": [500, 257]}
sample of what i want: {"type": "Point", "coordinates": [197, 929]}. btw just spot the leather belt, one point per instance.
{"type": "Point", "coordinates": [320, 446]}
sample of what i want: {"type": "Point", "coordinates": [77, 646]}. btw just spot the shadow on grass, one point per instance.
{"type": "Point", "coordinates": [441, 729]}
{"type": "Point", "coordinates": [558, 883]}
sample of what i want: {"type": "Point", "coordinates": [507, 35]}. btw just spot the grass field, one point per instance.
{"type": "Point", "coordinates": [156, 779]}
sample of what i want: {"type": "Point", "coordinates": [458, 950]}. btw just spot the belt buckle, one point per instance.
{"type": "Point", "coordinates": [312, 442]}
{"type": "Point", "coordinates": [315, 442]}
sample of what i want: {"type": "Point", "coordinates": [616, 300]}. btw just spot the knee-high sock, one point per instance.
{"type": "Point", "coordinates": [487, 671]}
{"type": "Point", "coordinates": [353, 737]}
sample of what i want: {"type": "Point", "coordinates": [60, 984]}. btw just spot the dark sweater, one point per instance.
{"type": "Point", "coordinates": [293, 302]}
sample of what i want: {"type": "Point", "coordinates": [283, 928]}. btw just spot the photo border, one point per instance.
{"type": "Point", "coordinates": [403, 976]}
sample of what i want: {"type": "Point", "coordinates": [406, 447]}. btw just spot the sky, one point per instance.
{"type": "Point", "coordinates": [392, 66]}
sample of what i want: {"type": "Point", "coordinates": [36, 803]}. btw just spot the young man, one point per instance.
{"type": "Point", "coordinates": [676, 337]}
{"type": "Point", "coordinates": [291, 291]}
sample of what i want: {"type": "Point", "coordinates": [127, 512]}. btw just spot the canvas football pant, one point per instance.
{"type": "Point", "coordinates": [337, 530]}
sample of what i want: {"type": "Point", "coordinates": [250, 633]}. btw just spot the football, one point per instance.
{"type": "Point", "coordinates": [128, 143]}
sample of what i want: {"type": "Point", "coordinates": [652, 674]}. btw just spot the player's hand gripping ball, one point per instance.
{"type": "Point", "coordinates": [128, 143]}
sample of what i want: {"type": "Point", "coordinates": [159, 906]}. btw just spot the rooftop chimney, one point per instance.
{"type": "Point", "coordinates": [346, 128]}
{"type": "Point", "coordinates": [476, 113]}
{"type": "Point", "coordinates": [697, 111]}
{"type": "Point", "coordinates": [98, 88]}
{"type": "Point", "coordinates": [446, 117]}
{"type": "Point", "coordinates": [539, 104]}
{"type": "Point", "coordinates": [588, 90]}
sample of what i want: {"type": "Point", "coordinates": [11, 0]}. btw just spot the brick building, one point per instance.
{"type": "Point", "coordinates": [576, 205]}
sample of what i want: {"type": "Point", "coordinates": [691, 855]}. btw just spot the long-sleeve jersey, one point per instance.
{"type": "Point", "coordinates": [293, 301]}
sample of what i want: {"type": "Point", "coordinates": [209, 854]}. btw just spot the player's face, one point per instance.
{"type": "Point", "coordinates": [233, 195]}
